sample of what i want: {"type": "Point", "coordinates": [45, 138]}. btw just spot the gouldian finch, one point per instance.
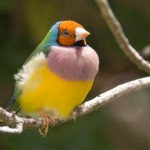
{"type": "Point", "coordinates": [58, 74]}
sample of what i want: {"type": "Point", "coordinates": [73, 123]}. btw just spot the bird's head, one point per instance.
{"type": "Point", "coordinates": [67, 33]}
{"type": "Point", "coordinates": [71, 33]}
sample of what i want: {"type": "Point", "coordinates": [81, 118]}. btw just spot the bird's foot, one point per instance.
{"type": "Point", "coordinates": [47, 120]}
{"type": "Point", "coordinates": [73, 116]}
{"type": "Point", "coordinates": [75, 113]}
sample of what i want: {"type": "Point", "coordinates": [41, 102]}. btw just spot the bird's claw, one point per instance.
{"type": "Point", "coordinates": [75, 113]}
{"type": "Point", "coordinates": [47, 120]}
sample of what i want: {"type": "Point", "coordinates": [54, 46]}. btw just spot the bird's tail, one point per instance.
{"type": "Point", "coordinates": [13, 105]}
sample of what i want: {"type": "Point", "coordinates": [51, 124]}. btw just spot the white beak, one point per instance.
{"type": "Point", "coordinates": [81, 34]}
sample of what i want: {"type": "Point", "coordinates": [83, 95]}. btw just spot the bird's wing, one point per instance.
{"type": "Point", "coordinates": [13, 104]}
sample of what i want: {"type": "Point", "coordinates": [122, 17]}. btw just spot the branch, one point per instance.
{"type": "Point", "coordinates": [20, 123]}
{"type": "Point", "coordinates": [120, 37]}
{"type": "Point", "coordinates": [11, 119]}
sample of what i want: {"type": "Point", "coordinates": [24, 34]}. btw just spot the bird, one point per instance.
{"type": "Point", "coordinates": [57, 76]}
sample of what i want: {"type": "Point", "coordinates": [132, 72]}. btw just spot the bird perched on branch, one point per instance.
{"type": "Point", "coordinates": [57, 76]}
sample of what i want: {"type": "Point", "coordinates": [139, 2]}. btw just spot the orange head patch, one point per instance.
{"type": "Point", "coordinates": [66, 36]}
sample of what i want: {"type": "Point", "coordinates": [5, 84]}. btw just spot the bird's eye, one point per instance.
{"type": "Point", "coordinates": [66, 33]}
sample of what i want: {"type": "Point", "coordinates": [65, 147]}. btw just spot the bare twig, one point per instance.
{"type": "Point", "coordinates": [89, 106]}
{"type": "Point", "coordinates": [11, 119]}
{"type": "Point", "coordinates": [17, 130]}
{"type": "Point", "coordinates": [120, 37]}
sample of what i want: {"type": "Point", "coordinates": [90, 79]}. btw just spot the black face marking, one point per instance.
{"type": "Point", "coordinates": [80, 43]}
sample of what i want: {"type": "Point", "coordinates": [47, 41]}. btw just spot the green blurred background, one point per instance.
{"type": "Point", "coordinates": [121, 125]}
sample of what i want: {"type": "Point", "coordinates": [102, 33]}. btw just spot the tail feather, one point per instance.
{"type": "Point", "coordinates": [13, 105]}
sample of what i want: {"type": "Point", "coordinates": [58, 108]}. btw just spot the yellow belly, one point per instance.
{"type": "Point", "coordinates": [46, 91]}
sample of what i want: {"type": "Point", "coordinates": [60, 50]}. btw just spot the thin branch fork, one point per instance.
{"type": "Point", "coordinates": [120, 37]}
{"type": "Point", "coordinates": [11, 119]}
{"type": "Point", "coordinates": [20, 123]}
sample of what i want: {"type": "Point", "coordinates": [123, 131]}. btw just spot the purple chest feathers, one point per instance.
{"type": "Point", "coordinates": [73, 63]}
